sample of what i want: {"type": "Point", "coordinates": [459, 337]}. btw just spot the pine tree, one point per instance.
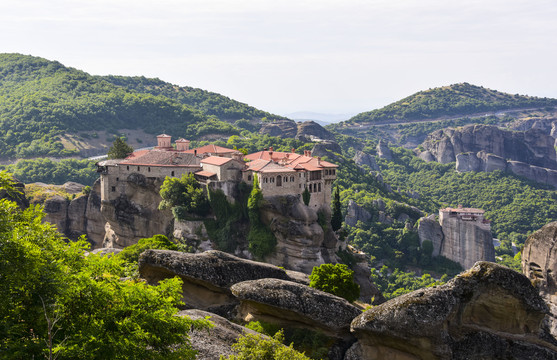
{"type": "Point", "coordinates": [119, 149]}
{"type": "Point", "coordinates": [306, 196]}
{"type": "Point", "coordinates": [336, 219]}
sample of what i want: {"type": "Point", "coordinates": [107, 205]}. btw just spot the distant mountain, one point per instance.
{"type": "Point", "coordinates": [453, 100]}
{"type": "Point", "coordinates": [47, 109]}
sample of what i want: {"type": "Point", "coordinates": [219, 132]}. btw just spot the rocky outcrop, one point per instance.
{"type": "Point", "coordinates": [294, 305]}
{"type": "Point", "coordinates": [539, 264]}
{"type": "Point", "coordinates": [383, 151]}
{"type": "Point", "coordinates": [301, 241]}
{"type": "Point", "coordinates": [281, 128]}
{"type": "Point", "coordinates": [95, 222]}
{"type": "Point", "coordinates": [430, 229]}
{"type": "Point", "coordinates": [488, 148]}
{"type": "Point", "coordinates": [362, 159]}
{"type": "Point", "coordinates": [207, 276]}
{"type": "Point", "coordinates": [487, 312]}
{"type": "Point", "coordinates": [312, 131]}
{"type": "Point", "coordinates": [327, 148]}
{"type": "Point", "coordinates": [355, 213]}
{"type": "Point", "coordinates": [134, 214]}
{"type": "Point", "coordinates": [212, 343]}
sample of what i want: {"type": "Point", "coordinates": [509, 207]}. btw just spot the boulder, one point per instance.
{"type": "Point", "coordinates": [217, 341]}
{"type": "Point", "coordinates": [207, 276]}
{"type": "Point", "coordinates": [290, 304]}
{"type": "Point", "coordinates": [487, 312]}
{"type": "Point", "coordinates": [362, 159]}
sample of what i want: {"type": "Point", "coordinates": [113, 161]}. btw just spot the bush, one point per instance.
{"type": "Point", "coordinates": [335, 279]}
{"type": "Point", "coordinates": [260, 347]}
{"type": "Point", "coordinates": [131, 253]}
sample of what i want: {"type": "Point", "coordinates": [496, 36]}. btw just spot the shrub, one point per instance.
{"type": "Point", "coordinates": [335, 279]}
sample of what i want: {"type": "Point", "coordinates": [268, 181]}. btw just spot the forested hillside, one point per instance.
{"type": "Point", "coordinates": [43, 102]}
{"type": "Point", "coordinates": [458, 99]}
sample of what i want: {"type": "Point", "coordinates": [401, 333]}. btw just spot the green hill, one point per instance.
{"type": "Point", "coordinates": [454, 100]}
{"type": "Point", "coordinates": [47, 109]}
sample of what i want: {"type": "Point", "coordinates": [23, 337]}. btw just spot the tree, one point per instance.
{"type": "Point", "coordinates": [306, 196]}
{"type": "Point", "coordinates": [336, 219]}
{"type": "Point", "coordinates": [58, 303]}
{"type": "Point", "coordinates": [119, 149]}
{"type": "Point", "coordinates": [261, 240]}
{"type": "Point", "coordinates": [260, 347]}
{"type": "Point", "coordinates": [184, 196]}
{"type": "Point", "coordinates": [335, 279]}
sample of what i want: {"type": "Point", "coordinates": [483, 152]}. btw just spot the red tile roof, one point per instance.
{"type": "Point", "coordinates": [463, 210]}
{"type": "Point", "coordinates": [206, 174]}
{"type": "Point", "coordinates": [216, 160]}
{"type": "Point", "coordinates": [292, 160]}
{"type": "Point", "coordinates": [211, 149]}
{"type": "Point", "coordinates": [162, 158]}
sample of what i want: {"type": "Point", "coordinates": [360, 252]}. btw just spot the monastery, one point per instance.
{"type": "Point", "coordinates": [279, 173]}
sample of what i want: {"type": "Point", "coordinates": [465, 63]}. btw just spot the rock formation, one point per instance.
{"type": "Point", "coordinates": [327, 148]}
{"type": "Point", "coordinates": [457, 239]}
{"type": "Point", "coordinates": [488, 148]}
{"type": "Point", "coordinates": [487, 312]}
{"type": "Point", "coordinates": [281, 128]}
{"type": "Point", "coordinates": [207, 276]}
{"type": "Point", "coordinates": [539, 264]}
{"type": "Point", "coordinates": [134, 214]}
{"type": "Point", "coordinates": [362, 159]}
{"type": "Point", "coordinates": [383, 151]}
{"type": "Point", "coordinates": [311, 131]}
{"type": "Point", "coordinates": [355, 213]}
{"type": "Point", "coordinates": [301, 241]}
{"type": "Point", "coordinates": [217, 341]}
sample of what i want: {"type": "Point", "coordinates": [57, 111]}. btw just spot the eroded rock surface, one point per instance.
{"type": "Point", "coordinates": [361, 159]}
{"type": "Point", "coordinates": [207, 276]}
{"type": "Point", "coordinates": [310, 130]}
{"type": "Point", "coordinates": [487, 312]}
{"type": "Point", "coordinates": [355, 213]}
{"type": "Point", "coordinates": [539, 264]}
{"type": "Point", "coordinates": [294, 305]}
{"type": "Point", "coordinates": [282, 128]}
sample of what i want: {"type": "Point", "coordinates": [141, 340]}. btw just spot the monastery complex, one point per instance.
{"type": "Point", "coordinates": [279, 173]}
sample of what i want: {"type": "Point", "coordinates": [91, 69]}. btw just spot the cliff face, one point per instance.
{"type": "Point", "coordinates": [539, 264]}
{"type": "Point", "coordinates": [301, 242]}
{"type": "Point", "coordinates": [465, 242]}
{"type": "Point", "coordinates": [487, 148]}
{"type": "Point", "coordinates": [134, 214]}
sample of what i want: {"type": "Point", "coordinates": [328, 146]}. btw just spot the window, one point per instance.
{"type": "Point", "coordinates": [113, 189]}
{"type": "Point", "coordinates": [138, 168]}
{"type": "Point", "coordinates": [149, 169]}
{"type": "Point", "coordinates": [272, 180]}
{"type": "Point", "coordinates": [319, 187]}
{"type": "Point", "coordinates": [286, 179]}
{"type": "Point", "coordinates": [249, 177]}
{"type": "Point", "coordinates": [117, 179]}
{"type": "Point", "coordinates": [292, 178]}
{"type": "Point", "coordinates": [172, 173]}
{"type": "Point", "coordinates": [279, 180]}
{"type": "Point", "coordinates": [127, 167]}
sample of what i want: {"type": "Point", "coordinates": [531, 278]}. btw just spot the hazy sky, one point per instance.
{"type": "Point", "coordinates": [284, 56]}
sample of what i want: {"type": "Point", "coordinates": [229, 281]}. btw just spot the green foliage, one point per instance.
{"type": "Point", "coordinates": [49, 287]}
{"type": "Point", "coordinates": [336, 219]}
{"type": "Point", "coordinates": [260, 347]}
{"type": "Point", "coordinates": [398, 282]}
{"type": "Point", "coordinates": [457, 99]}
{"type": "Point", "coordinates": [49, 171]}
{"type": "Point", "coordinates": [306, 196]}
{"type": "Point", "coordinates": [513, 262]}
{"type": "Point", "coordinates": [335, 279]}
{"type": "Point", "coordinates": [261, 240]}
{"type": "Point", "coordinates": [119, 149]}
{"type": "Point", "coordinates": [130, 254]}
{"type": "Point", "coordinates": [184, 196]}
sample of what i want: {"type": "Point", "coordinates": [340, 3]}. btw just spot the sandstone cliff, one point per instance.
{"type": "Point", "coordinates": [487, 148]}
{"type": "Point", "coordinates": [539, 264]}
{"type": "Point", "coordinates": [487, 312]}
{"type": "Point", "coordinates": [465, 242]}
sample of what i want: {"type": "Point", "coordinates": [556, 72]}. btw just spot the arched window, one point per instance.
{"type": "Point", "coordinates": [292, 178]}
{"type": "Point", "coordinates": [279, 180]}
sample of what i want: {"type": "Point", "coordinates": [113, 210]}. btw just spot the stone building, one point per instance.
{"type": "Point", "coordinates": [279, 173]}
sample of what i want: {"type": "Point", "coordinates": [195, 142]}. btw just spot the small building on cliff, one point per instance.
{"type": "Point", "coordinates": [462, 235]}
{"type": "Point", "coordinates": [279, 173]}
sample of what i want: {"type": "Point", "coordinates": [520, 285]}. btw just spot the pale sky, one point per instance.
{"type": "Point", "coordinates": [285, 56]}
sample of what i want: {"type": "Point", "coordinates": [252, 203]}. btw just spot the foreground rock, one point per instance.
{"type": "Point", "coordinates": [207, 276]}
{"type": "Point", "coordinates": [539, 264]}
{"type": "Point", "coordinates": [487, 312]}
{"type": "Point", "coordinates": [211, 343]}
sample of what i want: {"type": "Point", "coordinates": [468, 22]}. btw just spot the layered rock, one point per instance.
{"type": "Point", "coordinates": [429, 229]}
{"type": "Point", "coordinates": [488, 312]}
{"type": "Point", "coordinates": [134, 214]}
{"type": "Point", "coordinates": [207, 276]}
{"type": "Point", "coordinates": [294, 305]}
{"type": "Point", "coordinates": [355, 213]}
{"type": "Point", "coordinates": [539, 264]}
{"type": "Point", "coordinates": [301, 241]}
{"type": "Point", "coordinates": [488, 148]}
